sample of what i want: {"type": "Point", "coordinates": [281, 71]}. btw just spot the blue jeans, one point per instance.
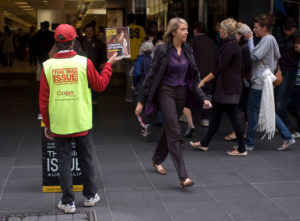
{"type": "Point", "coordinates": [253, 111]}
{"type": "Point", "coordinates": [283, 94]}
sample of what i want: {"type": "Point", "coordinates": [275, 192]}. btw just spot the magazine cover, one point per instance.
{"type": "Point", "coordinates": [117, 40]}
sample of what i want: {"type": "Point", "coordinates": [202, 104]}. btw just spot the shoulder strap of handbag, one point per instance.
{"type": "Point", "coordinates": [263, 63]}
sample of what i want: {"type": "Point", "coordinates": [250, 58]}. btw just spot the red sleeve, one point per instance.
{"type": "Point", "coordinates": [44, 98]}
{"type": "Point", "coordinates": [99, 82]}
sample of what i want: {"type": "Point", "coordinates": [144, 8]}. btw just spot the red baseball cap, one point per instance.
{"type": "Point", "coordinates": [64, 33]}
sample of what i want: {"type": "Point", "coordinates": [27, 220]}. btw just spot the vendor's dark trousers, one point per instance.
{"type": "Point", "coordinates": [216, 116]}
{"type": "Point", "coordinates": [64, 155]}
{"type": "Point", "coordinates": [171, 101]}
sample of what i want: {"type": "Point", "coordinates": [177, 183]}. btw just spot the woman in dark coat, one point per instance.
{"type": "Point", "coordinates": [240, 36]}
{"type": "Point", "coordinates": [171, 85]}
{"type": "Point", "coordinates": [229, 87]}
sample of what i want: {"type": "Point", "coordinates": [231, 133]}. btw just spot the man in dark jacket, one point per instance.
{"type": "Point", "coordinates": [204, 50]}
{"type": "Point", "coordinates": [95, 50]}
{"type": "Point", "coordinates": [288, 64]}
{"type": "Point", "coordinates": [44, 41]}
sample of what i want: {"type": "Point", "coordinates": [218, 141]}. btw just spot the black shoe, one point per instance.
{"type": "Point", "coordinates": [189, 132]}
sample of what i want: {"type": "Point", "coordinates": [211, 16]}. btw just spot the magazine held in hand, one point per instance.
{"type": "Point", "coordinates": [117, 40]}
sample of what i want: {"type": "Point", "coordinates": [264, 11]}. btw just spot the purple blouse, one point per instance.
{"type": "Point", "coordinates": [176, 70]}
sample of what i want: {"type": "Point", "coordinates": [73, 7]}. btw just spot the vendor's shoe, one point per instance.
{"type": "Point", "coordinates": [286, 144]}
{"type": "Point", "coordinates": [186, 183]}
{"type": "Point", "coordinates": [67, 208]}
{"type": "Point", "coordinates": [91, 201]}
{"type": "Point", "coordinates": [197, 146]}
{"type": "Point", "coordinates": [159, 169]}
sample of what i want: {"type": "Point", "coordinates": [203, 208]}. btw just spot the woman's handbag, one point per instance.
{"type": "Point", "coordinates": [278, 74]}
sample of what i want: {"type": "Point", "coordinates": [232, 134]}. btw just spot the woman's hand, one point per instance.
{"type": "Point", "coordinates": [207, 104]}
{"type": "Point", "coordinates": [201, 84]}
{"type": "Point", "coordinates": [138, 109]}
{"type": "Point", "coordinates": [113, 59]}
{"type": "Point", "coordinates": [249, 35]}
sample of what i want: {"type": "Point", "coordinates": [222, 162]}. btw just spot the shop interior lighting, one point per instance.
{"type": "Point", "coordinates": [21, 3]}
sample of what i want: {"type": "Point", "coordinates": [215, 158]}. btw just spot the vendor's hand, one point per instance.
{"type": "Point", "coordinates": [201, 84]}
{"type": "Point", "coordinates": [207, 104]}
{"type": "Point", "coordinates": [132, 87]}
{"type": "Point", "coordinates": [113, 59]}
{"type": "Point", "coordinates": [138, 109]}
{"type": "Point", "coordinates": [48, 133]}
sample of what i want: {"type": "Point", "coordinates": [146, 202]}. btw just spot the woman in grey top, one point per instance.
{"type": "Point", "coordinates": [264, 54]}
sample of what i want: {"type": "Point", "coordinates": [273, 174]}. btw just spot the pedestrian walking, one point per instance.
{"type": "Point", "coordinates": [288, 64]}
{"type": "Point", "coordinates": [240, 36]}
{"type": "Point", "coordinates": [170, 86]}
{"type": "Point", "coordinates": [229, 87]}
{"type": "Point", "coordinates": [66, 106]}
{"type": "Point", "coordinates": [264, 55]}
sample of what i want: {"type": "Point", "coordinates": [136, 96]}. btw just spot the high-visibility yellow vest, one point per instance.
{"type": "Point", "coordinates": [70, 101]}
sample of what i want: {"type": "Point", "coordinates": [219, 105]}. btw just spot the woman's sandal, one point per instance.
{"type": "Point", "coordinates": [235, 152]}
{"type": "Point", "coordinates": [186, 183]}
{"type": "Point", "coordinates": [197, 146]}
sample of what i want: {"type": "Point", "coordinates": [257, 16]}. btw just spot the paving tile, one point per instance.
{"type": "Point", "coordinates": [195, 194]}
{"type": "Point", "coordinates": [204, 211]}
{"type": "Point", "coordinates": [29, 156]}
{"type": "Point", "coordinates": [294, 173]}
{"type": "Point", "coordinates": [26, 173]}
{"type": "Point", "coordinates": [23, 186]}
{"type": "Point", "coordinates": [240, 163]}
{"type": "Point", "coordinates": [115, 155]}
{"type": "Point", "coordinates": [23, 201]}
{"type": "Point", "coordinates": [103, 213]}
{"type": "Point", "coordinates": [290, 206]}
{"type": "Point", "coordinates": [257, 209]}
{"type": "Point", "coordinates": [6, 162]}
{"type": "Point", "coordinates": [218, 178]}
{"type": "Point", "coordinates": [263, 176]}
{"type": "Point", "coordinates": [136, 205]}
{"type": "Point", "coordinates": [3, 173]}
{"type": "Point", "coordinates": [234, 192]}
{"type": "Point", "coordinates": [134, 198]}
{"type": "Point", "coordinates": [123, 181]}
{"type": "Point", "coordinates": [280, 190]}
{"type": "Point", "coordinates": [150, 213]}
{"type": "Point", "coordinates": [204, 166]}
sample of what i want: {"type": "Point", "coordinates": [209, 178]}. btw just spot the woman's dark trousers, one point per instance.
{"type": "Point", "coordinates": [64, 155]}
{"type": "Point", "coordinates": [216, 116]}
{"type": "Point", "coordinates": [171, 101]}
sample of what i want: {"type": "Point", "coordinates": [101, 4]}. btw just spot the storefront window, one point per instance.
{"type": "Point", "coordinates": [157, 11]}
